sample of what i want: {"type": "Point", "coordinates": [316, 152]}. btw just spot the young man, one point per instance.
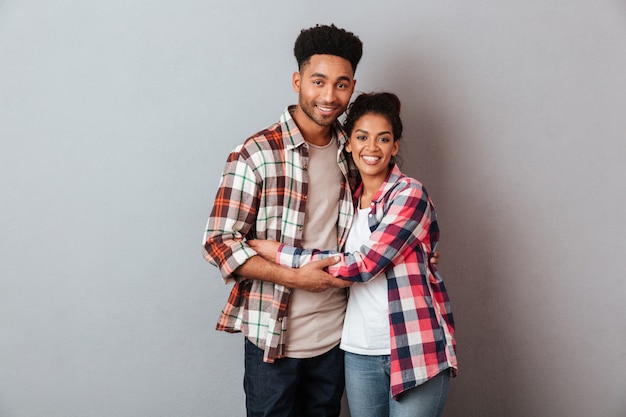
{"type": "Point", "coordinates": [291, 183]}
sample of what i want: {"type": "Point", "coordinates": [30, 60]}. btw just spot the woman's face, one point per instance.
{"type": "Point", "coordinates": [372, 145]}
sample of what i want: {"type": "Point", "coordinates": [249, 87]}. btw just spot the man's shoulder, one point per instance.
{"type": "Point", "coordinates": [270, 135]}
{"type": "Point", "coordinates": [260, 147]}
{"type": "Point", "coordinates": [271, 140]}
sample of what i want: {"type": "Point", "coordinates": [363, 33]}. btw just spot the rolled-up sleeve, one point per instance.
{"type": "Point", "coordinates": [232, 217]}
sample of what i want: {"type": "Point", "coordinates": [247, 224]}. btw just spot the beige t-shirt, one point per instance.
{"type": "Point", "coordinates": [316, 319]}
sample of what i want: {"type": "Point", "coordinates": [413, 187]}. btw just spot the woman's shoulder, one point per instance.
{"type": "Point", "coordinates": [406, 184]}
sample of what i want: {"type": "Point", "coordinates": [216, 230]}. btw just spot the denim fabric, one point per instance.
{"type": "Point", "coordinates": [367, 387]}
{"type": "Point", "coordinates": [289, 387]}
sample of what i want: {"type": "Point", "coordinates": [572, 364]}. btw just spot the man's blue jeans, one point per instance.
{"type": "Point", "coordinates": [290, 387]}
{"type": "Point", "coordinates": [367, 387]}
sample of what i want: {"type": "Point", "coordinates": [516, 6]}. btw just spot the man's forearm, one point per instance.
{"type": "Point", "coordinates": [262, 270]}
{"type": "Point", "coordinates": [311, 277]}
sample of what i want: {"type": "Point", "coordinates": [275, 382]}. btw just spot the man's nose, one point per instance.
{"type": "Point", "coordinates": [328, 94]}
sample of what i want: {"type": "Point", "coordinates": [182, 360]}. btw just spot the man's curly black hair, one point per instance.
{"type": "Point", "coordinates": [328, 40]}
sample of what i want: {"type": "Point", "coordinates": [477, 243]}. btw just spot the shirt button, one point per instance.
{"type": "Point", "coordinates": [304, 197]}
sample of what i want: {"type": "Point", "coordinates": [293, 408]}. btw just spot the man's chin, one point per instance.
{"type": "Point", "coordinates": [325, 121]}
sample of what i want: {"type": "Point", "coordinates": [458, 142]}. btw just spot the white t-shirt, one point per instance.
{"type": "Point", "coordinates": [366, 326]}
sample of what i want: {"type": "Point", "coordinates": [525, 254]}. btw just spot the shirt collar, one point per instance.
{"type": "Point", "coordinates": [392, 178]}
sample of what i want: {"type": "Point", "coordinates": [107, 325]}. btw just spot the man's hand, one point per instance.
{"type": "Point", "coordinates": [310, 277]}
{"type": "Point", "coordinates": [434, 260]}
{"type": "Point", "coordinates": [313, 278]}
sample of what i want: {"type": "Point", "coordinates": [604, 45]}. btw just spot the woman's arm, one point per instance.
{"type": "Point", "coordinates": [404, 226]}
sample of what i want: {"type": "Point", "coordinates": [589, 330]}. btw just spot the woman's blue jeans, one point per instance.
{"type": "Point", "coordinates": [367, 387]}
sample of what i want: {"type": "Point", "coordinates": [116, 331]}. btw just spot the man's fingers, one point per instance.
{"type": "Point", "coordinates": [314, 278]}
{"type": "Point", "coordinates": [327, 261]}
{"type": "Point", "coordinates": [434, 259]}
{"type": "Point", "coordinates": [334, 281]}
{"type": "Point", "coordinates": [341, 283]}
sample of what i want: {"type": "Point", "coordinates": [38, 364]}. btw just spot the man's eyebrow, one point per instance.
{"type": "Point", "coordinates": [324, 76]}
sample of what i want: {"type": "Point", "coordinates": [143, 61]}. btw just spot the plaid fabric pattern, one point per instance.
{"type": "Point", "coordinates": [262, 194]}
{"type": "Point", "coordinates": [405, 233]}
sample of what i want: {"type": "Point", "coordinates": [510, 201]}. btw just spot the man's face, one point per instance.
{"type": "Point", "coordinates": [324, 86]}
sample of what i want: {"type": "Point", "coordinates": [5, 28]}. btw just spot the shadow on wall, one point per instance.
{"type": "Point", "coordinates": [434, 150]}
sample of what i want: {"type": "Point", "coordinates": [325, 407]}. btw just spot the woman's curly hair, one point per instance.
{"type": "Point", "coordinates": [327, 40]}
{"type": "Point", "coordinates": [386, 104]}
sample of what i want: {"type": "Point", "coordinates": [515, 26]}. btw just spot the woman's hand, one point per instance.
{"type": "Point", "coordinates": [268, 249]}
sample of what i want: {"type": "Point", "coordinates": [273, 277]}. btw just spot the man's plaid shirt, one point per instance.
{"type": "Point", "coordinates": [405, 233]}
{"type": "Point", "coordinates": [263, 195]}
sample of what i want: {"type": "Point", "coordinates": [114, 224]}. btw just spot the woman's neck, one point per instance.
{"type": "Point", "coordinates": [370, 187]}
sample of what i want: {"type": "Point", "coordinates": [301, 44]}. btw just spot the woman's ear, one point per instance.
{"type": "Point", "coordinates": [396, 147]}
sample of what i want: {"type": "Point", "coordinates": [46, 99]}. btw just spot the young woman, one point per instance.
{"type": "Point", "coordinates": [398, 334]}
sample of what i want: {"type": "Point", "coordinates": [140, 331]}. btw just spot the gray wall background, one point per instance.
{"type": "Point", "coordinates": [116, 118]}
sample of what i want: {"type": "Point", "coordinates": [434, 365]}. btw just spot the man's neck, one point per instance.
{"type": "Point", "coordinates": [311, 131]}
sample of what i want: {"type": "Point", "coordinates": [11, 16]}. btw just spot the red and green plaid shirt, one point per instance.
{"type": "Point", "coordinates": [263, 195]}
{"type": "Point", "coordinates": [404, 236]}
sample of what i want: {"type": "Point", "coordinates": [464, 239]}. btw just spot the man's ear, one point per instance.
{"type": "Point", "coordinates": [295, 81]}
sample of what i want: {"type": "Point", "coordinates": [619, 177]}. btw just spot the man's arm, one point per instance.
{"type": "Point", "coordinates": [310, 277]}
{"type": "Point", "coordinates": [406, 225]}
{"type": "Point", "coordinates": [232, 217]}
